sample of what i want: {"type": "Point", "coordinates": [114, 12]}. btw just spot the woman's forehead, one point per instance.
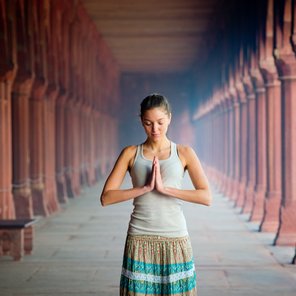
{"type": "Point", "coordinates": [155, 114]}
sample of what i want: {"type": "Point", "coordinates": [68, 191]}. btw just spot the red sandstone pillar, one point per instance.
{"type": "Point", "coordinates": [260, 186]}
{"type": "Point", "coordinates": [49, 151]}
{"type": "Point", "coordinates": [225, 143]}
{"type": "Point", "coordinates": [60, 148]}
{"type": "Point", "coordinates": [43, 149]}
{"type": "Point", "coordinates": [66, 13]}
{"type": "Point", "coordinates": [228, 148]}
{"type": "Point", "coordinates": [243, 132]}
{"type": "Point", "coordinates": [20, 116]}
{"type": "Point", "coordinates": [270, 221]}
{"type": "Point", "coordinates": [221, 143]}
{"type": "Point", "coordinates": [68, 149]}
{"type": "Point", "coordinates": [230, 144]}
{"type": "Point", "coordinates": [42, 201]}
{"type": "Point", "coordinates": [84, 145]}
{"type": "Point", "coordinates": [92, 152]}
{"type": "Point", "coordinates": [251, 149]}
{"type": "Point", "coordinates": [286, 65]}
{"type": "Point", "coordinates": [75, 121]}
{"type": "Point", "coordinates": [216, 140]}
{"type": "Point", "coordinates": [8, 70]}
{"type": "Point", "coordinates": [236, 144]}
{"type": "Point", "coordinates": [36, 149]}
{"type": "Point", "coordinates": [97, 145]}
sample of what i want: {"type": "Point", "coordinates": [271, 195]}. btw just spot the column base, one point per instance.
{"type": "Point", "coordinates": [91, 176]}
{"type": "Point", "coordinates": [270, 221]}
{"type": "Point", "coordinates": [38, 196]}
{"type": "Point", "coordinates": [286, 234]}
{"type": "Point", "coordinates": [258, 205]}
{"type": "Point", "coordinates": [235, 190]}
{"type": "Point", "coordinates": [69, 187]}
{"type": "Point", "coordinates": [241, 195]}
{"type": "Point", "coordinates": [23, 202]}
{"type": "Point", "coordinates": [228, 187]}
{"type": "Point", "coordinates": [248, 204]}
{"type": "Point", "coordinates": [84, 181]}
{"type": "Point", "coordinates": [62, 190]}
{"type": "Point", "coordinates": [53, 205]}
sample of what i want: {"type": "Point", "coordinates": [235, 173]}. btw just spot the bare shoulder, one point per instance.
{"type": "Point", "coordinates": [185, 150]}
{"type": "Point", "coordinates": [128, 153]}
{"type": "Point", "coordinates": [186, 154]}
{"type": "Point", "coordinates": [129, 150]}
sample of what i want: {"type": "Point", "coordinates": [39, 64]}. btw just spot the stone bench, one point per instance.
{"type": "Point", "coordinates": [16, 237]}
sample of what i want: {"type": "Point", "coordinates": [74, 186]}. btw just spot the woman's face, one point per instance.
{"type": "Point", "coordinates": [155, 122]}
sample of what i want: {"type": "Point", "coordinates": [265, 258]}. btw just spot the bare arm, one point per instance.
{"type": "Point", "coordinates": [112, 193]}
{"type": "Point", "coordinates": [201, 194]}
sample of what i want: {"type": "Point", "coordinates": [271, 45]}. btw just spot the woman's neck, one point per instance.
{"type": "Point", "coordinates": [158, 146]}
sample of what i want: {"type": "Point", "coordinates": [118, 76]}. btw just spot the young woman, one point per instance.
{"type": "Point", "coordinates": [158, 258]}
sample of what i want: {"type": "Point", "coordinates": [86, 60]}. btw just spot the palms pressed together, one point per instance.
{"type": "Point", "coordinates": [155, 181]}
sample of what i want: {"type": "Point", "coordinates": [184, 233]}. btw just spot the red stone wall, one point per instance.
{"type": "Point", "coordinates": [59, 87]}
{"type": "Point", "coordinates": [252, 114]}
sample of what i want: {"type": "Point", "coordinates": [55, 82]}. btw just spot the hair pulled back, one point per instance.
{"type": "Point", "coordinates": [155, 101]}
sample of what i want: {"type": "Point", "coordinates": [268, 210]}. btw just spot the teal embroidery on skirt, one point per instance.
{"type": "Point", "coordinates": [141, 277]}
{"type": "Point", "coordinates": [156, 269]}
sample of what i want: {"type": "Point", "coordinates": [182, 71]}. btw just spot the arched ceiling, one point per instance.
{"type": "Point", "coordinates": [156, 35]}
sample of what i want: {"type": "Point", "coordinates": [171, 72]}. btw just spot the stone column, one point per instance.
{"type": "Point", "coordinates": [243, 133]}
{"type": "Point", "coordinates": [65, 18]}
{"type": "Point", "coordinates": [37, 148]}
{"type": "Point", "coordinates": [68, 148]}
{"type": "Point", "coordinates": [260, 164]}
{"type": "Point", "coordinates": [236, 145]}
{"type": "Point", "coordinates": [49, 150]}
{"type": "Point", "coordinates": [225, 144]}
{"type": "Point", "coordinates": [251, 145]}
{"type": "Point", "coordinates": [20, 115]}
{"type": "Point", "coordinates": [96, 144]}
{"type": "Point", "coordinates": [8, 71]}
{"type": "Point", "coordinates": [286, 65]}
{"type": "Point", "coordinates": [270, 221]}
{"type": "Point", "coordinates": [92, 151]}
{"type": "Point", "coordinates": [216, 167]}
{"type": "Point", "coordinates": [286, 234]}
{"type": "Point", "coordinates": [229, 145]}
{"type": "Point", "coordinates": [222, 143]}
{"type": "Point", "coordinates": [36, 108]}
{"type": "Point", "coordinates": [60, 149]}
{"type": "Point", "coordinates": [84, 145]}
{"type": "Point", "coordinates": [75, 121]}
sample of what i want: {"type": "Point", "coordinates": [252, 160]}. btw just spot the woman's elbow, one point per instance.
{"type": "Point", "coordinates": [208, 199]}
{"type": "Point", "coordinates": [103, 200]}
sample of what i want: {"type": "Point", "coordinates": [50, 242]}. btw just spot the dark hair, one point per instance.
{"type": "Point", "coordinates": [155, 101]}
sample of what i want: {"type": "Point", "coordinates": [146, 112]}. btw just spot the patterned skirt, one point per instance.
{"type": "Point", "coordinates": [156, 265]}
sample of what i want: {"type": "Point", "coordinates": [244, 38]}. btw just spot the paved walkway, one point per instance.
{"type": "Point", "coordinates": [79, 250]}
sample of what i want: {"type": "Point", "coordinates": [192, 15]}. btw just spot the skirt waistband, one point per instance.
{"type": "Point", "coordinates": [156, 238]}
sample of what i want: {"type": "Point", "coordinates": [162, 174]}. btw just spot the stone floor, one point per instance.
{"type": "Point", "coordinates": [79, 250]}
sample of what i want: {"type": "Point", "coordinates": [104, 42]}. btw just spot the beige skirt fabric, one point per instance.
{"type": "Point", "coordinates": [155, 265]}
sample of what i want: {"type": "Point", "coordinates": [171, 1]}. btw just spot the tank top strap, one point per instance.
{"type": "Point", "coordinates": [174, 150]}
{"type": "Point", "coordinates": [138, 151]}
{"type": "Point", "coordinates": [137, 155]}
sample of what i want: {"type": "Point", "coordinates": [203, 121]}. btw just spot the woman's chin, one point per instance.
{"type": "Point", "coordinates": [155, 137]}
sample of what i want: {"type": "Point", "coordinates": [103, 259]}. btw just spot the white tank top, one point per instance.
{"type": "Point", "coordinates": [155, 213]}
